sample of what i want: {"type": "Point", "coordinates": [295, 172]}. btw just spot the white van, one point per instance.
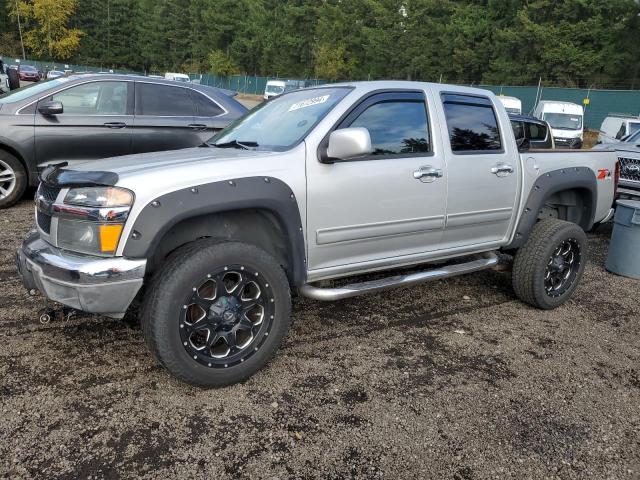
{"type": "Point", "coordinates": [616, 127]}
{"type": "Point", "coordinates": [274, 88]}
{"type": "Point", "coordinates": [511, 104]}
{"type": "Point", "coordinates": [178, 77]}
{"type": "Point", "coordinates": [566, 120]}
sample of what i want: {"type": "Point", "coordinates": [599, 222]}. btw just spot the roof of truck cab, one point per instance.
{"type": "Point", "coordinates": [374, 85]}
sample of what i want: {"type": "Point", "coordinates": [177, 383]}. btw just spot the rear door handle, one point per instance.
{"type": "Point", "coordinates": [197, 127]}
{"type": "Point", "coordinates": [427, 174]}
{"type": "Point", "coordinates": [502, 170]}
{"type": "Point", "coordinates": [115, 124]}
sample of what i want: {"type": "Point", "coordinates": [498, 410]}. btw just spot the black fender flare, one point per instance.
{"type": "Point", "coordinates": [266, 193]}
{"type": "Point", "coordinates": [547, 184]}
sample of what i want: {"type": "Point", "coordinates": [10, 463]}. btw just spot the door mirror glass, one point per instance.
{"type": "Point", "coordinates": [348, 143]}
{"type": "Point", "coordinates": [523, 144]}
{"type": "Point", "coordinates": [51, 108]}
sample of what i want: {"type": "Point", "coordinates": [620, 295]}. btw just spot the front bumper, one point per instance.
{"type": "Point", "coordinates": [91, 284]}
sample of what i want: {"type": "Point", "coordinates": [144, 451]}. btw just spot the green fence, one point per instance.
{"type": "Point", "coordinates": [248, 84]}
{"type": "Point", "coordinates": [45, 66]}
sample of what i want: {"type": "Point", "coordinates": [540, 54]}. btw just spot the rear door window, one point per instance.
{"type": "Point", "coordinates": [163, 101]}
{"type": "Point", "coordinates": [472, 124]}
{"type": "Point", "coordinates": [205, 107]}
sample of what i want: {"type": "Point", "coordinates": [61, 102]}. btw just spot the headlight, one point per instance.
{"type": "Point", "coordinates": [91, 219]}
{"type": "Point", "coordinates": [89, 237]}
{"type": "Point", "coordinates": [99, 197]}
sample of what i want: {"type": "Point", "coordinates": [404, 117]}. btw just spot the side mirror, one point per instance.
{"type": "Point", "coordinates": [523, 144]}
{"type": "Point", "coordinates": [50, 108]}
{"type": "Point", "coordinates": [348, 143]}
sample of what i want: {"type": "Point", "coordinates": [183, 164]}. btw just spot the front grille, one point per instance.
{"type": "Point", "coordinates": [44, 222]}
{"type": "Point", "coordinates": [48, 192]}
{"type": "Point", "coordinates": [630, 169]}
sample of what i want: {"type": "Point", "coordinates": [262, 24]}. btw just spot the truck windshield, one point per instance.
{"type": "Point", "coordinates": [564, 121]}
{"type": "Point", "coordinates": [282, 122]}
{"type": "Point", "coordinates": [29, 90]}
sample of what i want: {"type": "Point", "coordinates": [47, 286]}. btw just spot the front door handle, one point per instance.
{"type": "Point", "coordinates": [198, 127]}
{"type": "Point", "coordinates": [427, 174]}
{"type": "Point", "coordinates": [502, 170]}
{"type": "Point", "coordinates": [115, 124]}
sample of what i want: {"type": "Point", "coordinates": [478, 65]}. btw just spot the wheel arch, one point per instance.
{"type": "Point", "coordinates": [573, 190]}
{"type": "Point", "coordinates": [31, 175]}
{"type": "Point", "coordinates": [261, 211]}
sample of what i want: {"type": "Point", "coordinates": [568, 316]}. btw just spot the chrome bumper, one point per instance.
{"type": "Point", "coordinates": [91, 284]}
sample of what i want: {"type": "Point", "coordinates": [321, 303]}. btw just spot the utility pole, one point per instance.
{"type": "Point", "coordinates": [24, 57]}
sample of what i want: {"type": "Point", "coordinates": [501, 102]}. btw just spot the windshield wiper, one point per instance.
{"type": "Point", "coordinates": [236, 144]}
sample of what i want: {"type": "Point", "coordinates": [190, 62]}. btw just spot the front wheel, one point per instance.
{"type": "Point", "coordinates": [217, 312]}
{"type": "Point", "coordinates": [548, 268]}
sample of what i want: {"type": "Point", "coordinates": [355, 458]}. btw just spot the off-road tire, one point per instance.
{"type": "Point", "coordinates": [533, 258]}
{"type": "Point", "coordinates": [164, 300]}
{"type": "Point", "coordinates": [14, 79]}
{"type": "Point", "coordinates": [21, 180]}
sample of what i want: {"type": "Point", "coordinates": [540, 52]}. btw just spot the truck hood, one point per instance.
{"type": "Point", "coordinates": [148, 163]}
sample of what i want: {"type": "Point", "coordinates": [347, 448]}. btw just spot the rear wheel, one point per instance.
{"type": "Point", "coordinates": [217, 312]}
{"type": "Point", "coordinates": [13, 179]}
{"type": "Point", "coordinates": [548, 268]}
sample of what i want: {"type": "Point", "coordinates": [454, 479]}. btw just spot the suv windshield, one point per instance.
{"type": "Point", "coordinates": [564, 121]}
{"type": "Point", "coordinates": [33, 89]}
{"type": "Point", "coordinates": [281, 123]}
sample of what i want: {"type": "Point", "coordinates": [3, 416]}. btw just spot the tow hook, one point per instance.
{"type": "Point", "coordinates": [57, 314]}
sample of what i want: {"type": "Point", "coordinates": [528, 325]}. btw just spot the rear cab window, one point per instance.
{"type": "Point", "coordinates": [472, 124]}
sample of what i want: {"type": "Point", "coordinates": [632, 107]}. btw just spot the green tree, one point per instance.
{"type": "Point", "coordinates": [48, 33]}
{"type": "Point", "coordinates": [220, 63]}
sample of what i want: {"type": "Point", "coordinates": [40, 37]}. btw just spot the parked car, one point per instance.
{"type": "Point", "coordinates": [85, 117]}
{"type": "Point", "coordinates": [511, 104]}
{"type": "Point", "coordinates": [28, 73]}
{"type": "Point", "coordinates": [291, 195]}
{"type": "Point", "coordinates": [177, 77]}
{"type": "Point", "coordinates": [536, 131]}
{"type": "Point", "coordinates": [54, 74]}
{"type": "Point", "coordinates": [616, 127]}
{"type": "Point", "coordinates": [566, 120]}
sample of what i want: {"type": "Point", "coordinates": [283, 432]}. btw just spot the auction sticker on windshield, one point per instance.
{"type": "Point", "coordinates": [309, 102]}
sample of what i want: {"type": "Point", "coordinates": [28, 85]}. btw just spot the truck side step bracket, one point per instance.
{"type": "Point", "coordinates": [406, 280]}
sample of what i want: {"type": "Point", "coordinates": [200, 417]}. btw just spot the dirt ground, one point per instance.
{"type": "Point", "coordinates": [450, 380]}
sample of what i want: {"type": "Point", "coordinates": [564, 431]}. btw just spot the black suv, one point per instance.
{"type": "Point", "coordinates": [86, 117]}
{"type": "Point", "coordinates": [537, 131]}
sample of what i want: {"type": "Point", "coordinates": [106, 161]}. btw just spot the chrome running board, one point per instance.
{"type": "Point", "coordinates": [355, 289]}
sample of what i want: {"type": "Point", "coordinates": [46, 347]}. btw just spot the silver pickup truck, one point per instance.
{"type": "Point", "coordinates": [314, 185]}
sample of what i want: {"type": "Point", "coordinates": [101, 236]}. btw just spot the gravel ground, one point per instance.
{"type": "Point", "coordinates": [454, 379]}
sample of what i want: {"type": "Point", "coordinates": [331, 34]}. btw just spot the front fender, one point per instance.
{"type": "Point", "coordinates": [266, 193]}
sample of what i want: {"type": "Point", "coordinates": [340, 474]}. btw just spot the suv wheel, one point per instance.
{"type": "Point", "coordinates": [548, 268]}
{"type": "Point", "coordinates": [13, 179]}
{"type": "Point", "coordinates": [217, 312]}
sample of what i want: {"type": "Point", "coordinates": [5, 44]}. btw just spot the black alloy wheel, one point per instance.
{"type": "Point", "coordinates": [227, 316]}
